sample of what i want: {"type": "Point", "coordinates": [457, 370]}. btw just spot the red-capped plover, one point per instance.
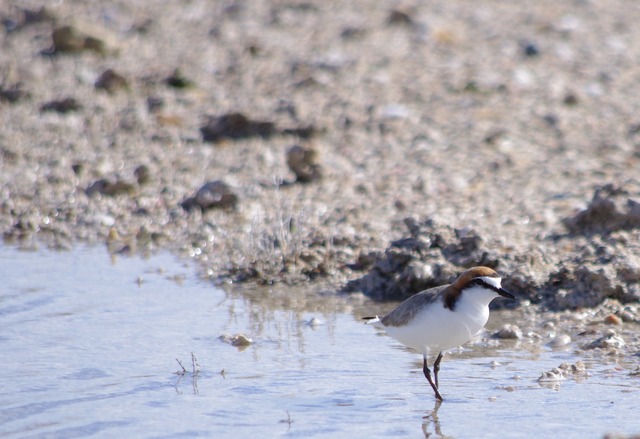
{"type": "Point", "coordinates": [443, 317]}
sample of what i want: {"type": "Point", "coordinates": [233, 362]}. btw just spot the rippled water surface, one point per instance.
{"type": "Point", "coordinates": [89, 347]}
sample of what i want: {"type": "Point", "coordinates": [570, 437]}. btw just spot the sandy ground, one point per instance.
{"type": "Point", "coordinates": [430, 137]}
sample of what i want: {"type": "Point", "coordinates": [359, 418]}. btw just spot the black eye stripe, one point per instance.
{"type": "Point", "coordinates": [481, 282]}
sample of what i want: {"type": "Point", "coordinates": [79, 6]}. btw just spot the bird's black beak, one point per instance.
{"type": "Point", "coordinates": [505, 293]}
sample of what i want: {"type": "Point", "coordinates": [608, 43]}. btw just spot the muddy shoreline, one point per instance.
{"type": "Point", "coordinates": [357, 147]}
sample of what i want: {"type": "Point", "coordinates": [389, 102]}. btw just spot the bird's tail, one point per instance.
{"type": "Point", "coordinates": [375, 321]}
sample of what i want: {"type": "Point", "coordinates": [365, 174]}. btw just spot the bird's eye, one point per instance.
{"type": "Point", "coordinates": [478, 281]}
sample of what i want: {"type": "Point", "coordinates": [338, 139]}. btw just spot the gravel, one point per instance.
{"type": "Point", "coordinates": [368, 146]}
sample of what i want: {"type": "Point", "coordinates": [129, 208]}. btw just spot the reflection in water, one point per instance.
{"type": "Point", "coordinates": [282, 316]}
{"type": "Point", "coordinates": [432, 418]}
{"type": "Point", "coordinates": [195, 372]}
{"type": "Point", "coordinates": [287, 421]}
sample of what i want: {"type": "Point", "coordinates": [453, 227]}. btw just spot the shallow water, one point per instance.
{"type": "Point", "coordinates": [89, 346]}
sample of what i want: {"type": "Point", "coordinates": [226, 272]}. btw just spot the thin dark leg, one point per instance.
{"type": "Point", "coordinates": [427, 374]}
{"type": "Point", "coordinates": [436, 368]}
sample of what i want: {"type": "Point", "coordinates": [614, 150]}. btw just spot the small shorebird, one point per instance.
{"type": "Point", "coordinates": [443, 317]}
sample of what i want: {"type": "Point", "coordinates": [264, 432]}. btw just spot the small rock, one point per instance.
{"type": "Point", "coordinates": [64, 106]}
{"type": "Point", "coordinates": [303, 132]}
{"type": "Point", "coordinates": [565, 370]}
{"type": "Point", "coordinates": [494, 135]}
{"type": "Point", "coordinates": [155, 103]}
{"type": "Point", "coordinates": [394, 111]}
{"type": "Point", "coordinates": [241, 340]}
{"type": "Point", "coordinates": [609, 340]}
{"type": "Point", "coordinates": [399, 17]}
{"type": "Point", "coordinates": [237, 340]}
{"type": "Point", "coordinates": [509, 332]}
{"type": "Point", "coordinates": [8, 155]}
{"type": "Point", "coordinates": [78, 168]}
{"type": "Point", "coordinates": [12, 93]}
{"type": "Point", "coordinates": [235, 126]}
{"type": "Point", "coordinates": [613, 319]}
{"type": "Point", "coordinates": [560, 340]}
{"type": "Point", "coordinates": [213, 194]}
{"type": "Point", "coordinates": [103, 219]}
{"type": "Point", "coordinates": [628, 316]}
{"type": "Point", "coordinates": [41, 15]}
{"type": "Point", "coordinates": [351, 32]}
{"type": "Point", "coordinates": [178, 80]}
{"type": "Point", "coordinates": [95, 44]}
{"type": "Point", "coordinates": [67, 39]}
{"type": "Point", "coordinates": [111, 81]}
{"type": "Point", "coordinates": [551, 376]}
{"type": "Point", "coordinates": [142, 174]}
{"type": "Point", "coordinates": [303, 163]}
{"type": "Point", "coordinates": [570, 99]}
{"type": "Point", "coordinates": [110, 187]}
{"type": "Point", "coordinates": [549, 324]}
{"type": "Point", "coordinates": [530, 49]}
{"type": "Point", "coordinates": [574, 369]}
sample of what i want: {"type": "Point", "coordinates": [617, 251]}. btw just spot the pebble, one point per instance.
{"type": "Point", "coordinates": [102, 219]}
{"type": "Point", "coordinates": [509, 332]}
{"type": "Point", "coordinates": [609, 340]}
{"type": "Point", "coordinates": [530, 49]}
{"type": "Point", "coordinates": [628, 316]}
{"type": "Point", "coordinates": [142, 174]}
{"type": "Point", "coordinates": [12, 93]}
{"type": "Point", "coordinates": [315, 322]}
{"type": "Point", "coordinates": [237, 340]}
{"type": "Point", "coordinates": [110, 187]}
{"type": "Point", "coordinates": [304, 163]}
{"type": "Point", "coordinates": [395, 111]}
{"type": "Point", "coordinates": [560, 340]}
{"type": "Point", "coordinates": [613, 319]}
{"type": "Point", "coordinates": [562, 372]}
{"type": "Point", "coordinates": [66, 105]}
{"type": "Point", "coordinates": [178, 80]}
{"type": "Point", "coordinates": [399, 17]}
{"type": "Point", "coordinates": [67, 39]}
{"type": "Point", "coordinates": [213, 194]}
{"type": "Point", "coordinates": [235, 126]}
{"type": "Point", "coordinates": [111, 81]}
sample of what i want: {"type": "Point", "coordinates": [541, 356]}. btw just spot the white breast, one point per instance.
{"type": "Point", "coordinates": [437, 328]}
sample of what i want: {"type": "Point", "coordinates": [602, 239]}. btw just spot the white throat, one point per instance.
{"type": "Point", "coordinates": [478, 296]}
